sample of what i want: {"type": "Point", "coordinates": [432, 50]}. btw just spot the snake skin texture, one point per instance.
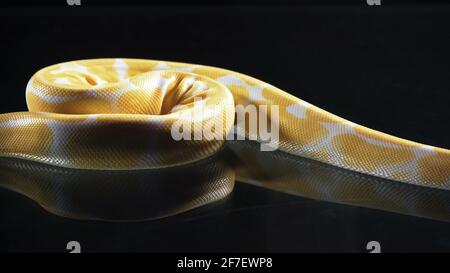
{"type": "Point", "coordinates": [143, 194]}
{"type": "Point", "coordinates": [117, 114]}
{"type": "Point", "coordinates": [158, 193]}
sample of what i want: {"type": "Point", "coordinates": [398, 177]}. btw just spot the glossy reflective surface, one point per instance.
{"type": "Point", "coordinates": [279, 203]}
{"type": "Point", "coordinates": [152, 194]}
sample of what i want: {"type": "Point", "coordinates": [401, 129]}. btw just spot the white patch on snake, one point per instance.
{"type": "Point", "coordinates": [187, 83]}
{"type": "Point", "coordinates": [367, 139]}
{"type": "Point", "coordinates": [254, 91]}
{"type": "Point", "coordinates": [74, 67]}
{"type": "Point", "coordinates": [61, 131]}
{"type": "Point", "coordinates": [386, 171]}
{"type": "Point", "coordinates": [298, 110]}
{"type": "Point", "coordinates": [70, 67]}
{"type": "Point", "coordinates": [350, 123]}
{"type": "Point", "coordinates": [21, 122]}
{"type": "Point", "coordinates": [198, 88]}
{"type": "Point", "coordinates": [335, 157]}
{"type": "Point", "coordinates": [121, 68]}
{"type": "Point", "coordinates": [50, 98]}
{"type": "Point", "coordinates": [192, 86]}
{"type": "Point", "coordinates": [160, 83]}
{"type": "Point", "coordinates": [156, 83]}
{"type": "Point", "coordinates": [112, 96]}
{"type": "Point", "coordinates": [29, 88]}
{"type": "Point", "coordinates": [178, 107]}
{"type": "Point", "coordinates": [424, 150]}
{"type": "Point", "coordinates": [62, 80]}
{"type": "Point", "coordinates": [91, 118]}
{"type": "Point", "coordinates": [409, 168]}
{"type": "Point", "coordinates": [165, 66]}
{"type": "Point", "coordinates": [378, 142]}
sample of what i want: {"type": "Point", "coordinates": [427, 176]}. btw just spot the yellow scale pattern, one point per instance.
{"type": "Point", "coordinates": [118, 113]}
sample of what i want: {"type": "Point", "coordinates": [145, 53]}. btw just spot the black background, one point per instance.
{"type": "Point", "coordinates": [383, 67]}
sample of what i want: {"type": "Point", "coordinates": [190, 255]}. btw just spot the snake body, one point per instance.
{"type": "Point", "coordinates": [118, 114]}
{"type": "Point", "coordinates": [136, 195]}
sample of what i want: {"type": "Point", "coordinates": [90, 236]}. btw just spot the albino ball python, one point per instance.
{"type": "Point", "coordinates": [119, 114]}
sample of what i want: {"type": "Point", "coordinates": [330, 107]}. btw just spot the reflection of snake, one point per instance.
{"type": "Point", "coordinates": [118, 114]}
{"type": "Point", "coordinates": [150, 194]}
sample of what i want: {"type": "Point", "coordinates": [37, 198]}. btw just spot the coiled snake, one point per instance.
{"type": "Point", "coordinates": [110, 114]}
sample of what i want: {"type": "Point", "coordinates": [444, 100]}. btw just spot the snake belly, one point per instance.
{"type": "Point", "coordinates": [119, 114]}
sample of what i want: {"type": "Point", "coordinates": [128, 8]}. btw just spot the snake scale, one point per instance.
{"type": "Point", "coordinates": [118, 114]}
